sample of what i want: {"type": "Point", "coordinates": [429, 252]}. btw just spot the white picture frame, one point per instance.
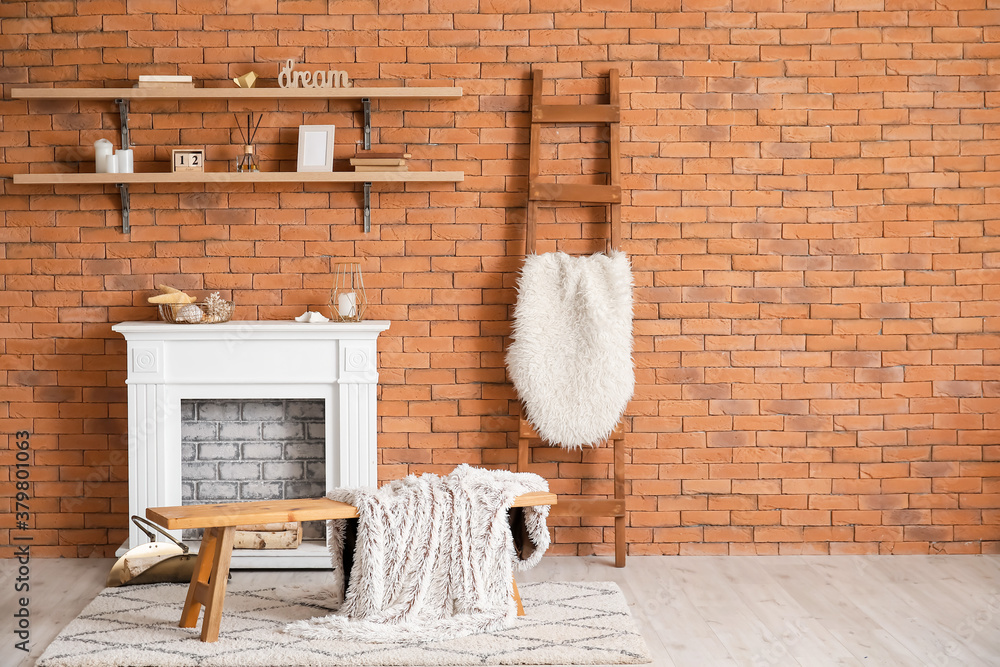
{"type": "Point", "coordinates": [315, 148]}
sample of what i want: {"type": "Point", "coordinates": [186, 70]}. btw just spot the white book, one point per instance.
{"type": "Point", "coordinates": [165, 78]}
{"type": "Point", "coordinates": [164, 84]}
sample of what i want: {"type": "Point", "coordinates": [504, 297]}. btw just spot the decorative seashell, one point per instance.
{"type": "Point", "coordinates": [217, 308]}
{"type": "Point", "coordinates": [312, 316]}
{"type": "Point", "coordinates": [189, 313]}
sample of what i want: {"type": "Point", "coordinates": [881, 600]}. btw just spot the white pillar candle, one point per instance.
{"type": "Point", "coordinates": [347, 304]}
{"type": "Point", "coordinates": [124, 158]}
{"type": "Point", "coordinates": [111, 165]}
{"type": "Point", "coordinates": [102, 149]}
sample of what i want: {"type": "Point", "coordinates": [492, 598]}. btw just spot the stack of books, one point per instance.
{"type": "Point", "coordinates": [379, 161]}
{"type": "Point", "coordinates": [164, 81]}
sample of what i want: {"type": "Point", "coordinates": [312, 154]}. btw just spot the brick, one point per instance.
{"type": "Point", "coordinates": [239, 470]}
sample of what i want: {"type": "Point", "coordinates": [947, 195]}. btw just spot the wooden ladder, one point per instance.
{"type": "Point", "coordinates": [541, 192]}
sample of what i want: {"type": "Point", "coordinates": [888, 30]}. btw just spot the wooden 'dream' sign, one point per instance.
{"type": "Point", "coordinates": [290, 78]}
{"type": "Point", "coordinates": [187, 159]}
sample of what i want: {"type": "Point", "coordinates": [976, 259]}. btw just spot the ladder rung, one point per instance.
{"type": "Point", "coordinates": [573, 506]}
{"type": "Point", "coordinates": [526, 430]}
{"type": "Point", "coordinates": [575, 113]}
{"type": "Point", "coordinates": [599, 194]}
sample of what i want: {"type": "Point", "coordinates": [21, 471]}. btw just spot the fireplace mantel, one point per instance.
{"type": "Point", "coordinates": [333, 361]}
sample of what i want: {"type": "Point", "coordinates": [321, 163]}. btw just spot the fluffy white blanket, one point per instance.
{"type": "Point", "coordinates": [434, 558]}
{"type": "Point", "coordinates": [571, 358]}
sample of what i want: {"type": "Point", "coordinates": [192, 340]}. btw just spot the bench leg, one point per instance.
{"type": "Point", "coordinates": [517, 598]}
{"type": "Point", "coordinates": [208, 583]}
{"type": "Point", "coordinates": [202, 569]}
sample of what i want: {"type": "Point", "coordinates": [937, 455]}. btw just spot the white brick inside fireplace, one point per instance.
{"type": "Point", "coordinates": [167, 363]}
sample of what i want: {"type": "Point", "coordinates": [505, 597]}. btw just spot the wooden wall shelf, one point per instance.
{"type": "Point", "coordinates": [253, 177]}
{"type": "Point", "coordinates": [123, 96]}
{"type": "Point", "coordinates": [374, 93]}
{"type": "Point", "coordinates": [124, 180]}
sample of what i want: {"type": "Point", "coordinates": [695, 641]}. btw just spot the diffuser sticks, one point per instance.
{"type": "Point", "coordinates": [247, 162]}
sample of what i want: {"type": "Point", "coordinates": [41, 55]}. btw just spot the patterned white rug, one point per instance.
{"type": "Point", "coordinates": [578, 623]}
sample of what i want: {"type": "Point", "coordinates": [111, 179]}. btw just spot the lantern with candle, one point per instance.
{"type": "Point", "coordinates": [348, 300]}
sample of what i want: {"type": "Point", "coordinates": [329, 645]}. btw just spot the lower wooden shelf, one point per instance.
{"type": "Point", "coordinates": [252, 177]}
{"type": "Point", "coordinates": [124, 180]}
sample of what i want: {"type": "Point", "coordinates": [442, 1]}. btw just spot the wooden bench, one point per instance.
{"type": "Point", "coordinates": [211, 570]}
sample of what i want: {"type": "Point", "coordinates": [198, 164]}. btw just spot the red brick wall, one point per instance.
{"type": "Point", "coordinates": [811, 193]}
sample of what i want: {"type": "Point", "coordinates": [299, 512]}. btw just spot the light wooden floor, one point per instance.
{"type": "Point", "coordinates": [698, 611]}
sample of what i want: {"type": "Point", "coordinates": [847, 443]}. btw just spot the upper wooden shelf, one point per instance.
{"type": "Point", "coordinates": [253, 177]}
{"type": "Point", "coordinates": [409, 92]}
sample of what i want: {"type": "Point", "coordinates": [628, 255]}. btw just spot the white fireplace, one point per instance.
{"type": "Point", "coordinates": [167, 363]}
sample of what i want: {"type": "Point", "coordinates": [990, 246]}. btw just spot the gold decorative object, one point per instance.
{"type": "Point", "coordinates": [247, 80]}
{"type": "Point", "coordinates": [348, 299]}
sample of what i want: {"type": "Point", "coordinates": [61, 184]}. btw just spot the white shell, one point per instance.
{"type": "Point", "coordinates": [189, 313]}
{"type": "Point", "coordinates": [311, 316]}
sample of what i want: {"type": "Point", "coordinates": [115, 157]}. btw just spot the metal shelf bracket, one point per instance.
{"type": "Point", "coordinates": [366, 107]}
{"type": "Point", "coordinates": [123, 112]}
{"type": "Point", "coordinates": [368, 207]}
{"type": "Point", "coordinates": [123, 191]}
{"type": "Point", "coordinates": [366, 111]}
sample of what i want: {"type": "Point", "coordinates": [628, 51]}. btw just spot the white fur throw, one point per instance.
{"type": "Point", "coordinates": [434, 558]}
{"type": "Point", "coordinates": [571, 359]}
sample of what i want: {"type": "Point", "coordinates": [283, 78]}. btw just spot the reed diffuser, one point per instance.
{"type": "Point", "coordinates": [248, 161]}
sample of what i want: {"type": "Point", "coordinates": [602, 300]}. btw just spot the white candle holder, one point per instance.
{"type": "Point", "coordinates": [348, 300]}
